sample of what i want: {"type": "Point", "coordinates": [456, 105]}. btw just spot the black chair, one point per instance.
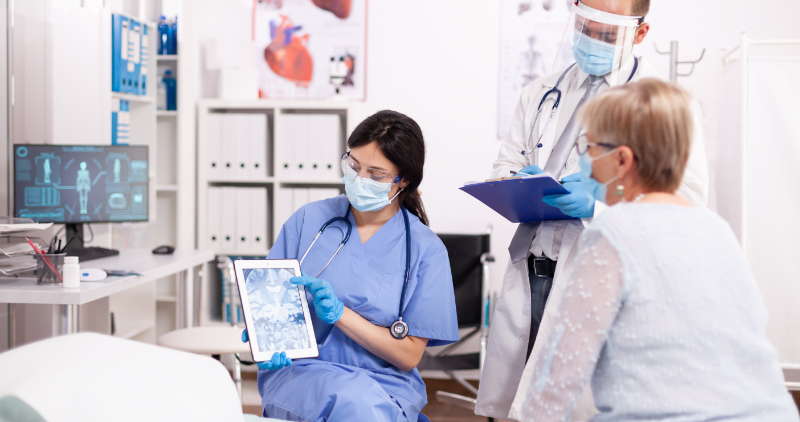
{"type": "Point", "coordinates": [470, 257]}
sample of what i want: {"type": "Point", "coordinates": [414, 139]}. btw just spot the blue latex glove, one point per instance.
{"type": "Point", "coordinates": [578, 203]}
{"type": "Point", "coordinates": [329, 308]}
{"type": "Point", "coordinates": [278, 361]}
{"type": "Point", "coordinates": [532, 169]}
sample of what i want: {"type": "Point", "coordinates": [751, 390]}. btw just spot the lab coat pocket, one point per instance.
{"type": "Point", "coordinates": [387, 303]}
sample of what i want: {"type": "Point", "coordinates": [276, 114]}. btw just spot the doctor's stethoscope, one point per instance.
{"type": "Point", "coordinates": [398, 329]}
{"type": "Point", "coordinates": [555, 90]}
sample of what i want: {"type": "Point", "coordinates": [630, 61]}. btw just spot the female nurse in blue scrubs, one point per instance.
{"type": "Point", "coordinates": [363, 373]}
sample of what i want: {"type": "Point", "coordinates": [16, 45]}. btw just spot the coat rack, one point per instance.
{"type": "Point", "coordinates": [674, 62]}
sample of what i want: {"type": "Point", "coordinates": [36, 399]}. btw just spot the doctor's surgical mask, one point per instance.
{"type": "Point", "coordinates": [597, 189]}
{"type": "Point", "coordinates": [593, 56]}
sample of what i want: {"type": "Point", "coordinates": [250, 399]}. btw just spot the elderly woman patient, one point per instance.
{"type": "Point", "coordinates": [661, 311]}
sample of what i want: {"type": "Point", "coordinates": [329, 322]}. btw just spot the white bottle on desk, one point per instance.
{"type": "Point", "coordinates": [72, 273]}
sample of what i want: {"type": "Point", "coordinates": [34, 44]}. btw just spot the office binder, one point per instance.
{"type": "Point", "coordinates": [301, 151]}
{"type": "Point", "coordinates": [229, 141]}
{"type": "Point", "coordinates": [325, 146]}
{"type": "Point", "coordinates": [115, 109]}
{"type": "Point", "coordinates": [145, 43]}
{"type": "Point", "coordinates": [257, 144]}
{"type": "Point", "coordinates": [215, 218]}
{"type": "Point", "coordinates": [214, 146]}
{"type": "Point", "coordinates": [242, 144]}
{"type": "Point", "coordinates": [134, 56]}
{"type": "Point", "coordinates": [228, 205]}
{"type": "Point", "coordinates": [120, 127]}
{"type": "Point", "coordinates": [259, 219]}
{"type": "Point", "coordinates": [244, 220]}
{"type": "Point", "coordinates": [119, 53]}
{"type": "Point", "coordinates": [286, 147]}
{"type": "Point", "coordinates": [519, 200]}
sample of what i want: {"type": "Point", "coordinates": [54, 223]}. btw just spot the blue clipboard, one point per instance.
{"type": "Point", "coordinates": [520, 200]}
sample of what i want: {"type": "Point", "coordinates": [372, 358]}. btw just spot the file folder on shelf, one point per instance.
{"type": "Point", "coordinates": [229, 154]}
{"type": "Point", "coordinates": [120, 121]}
{"type": "Point", "coordinates": [241, 145]}
{"type": "Point", "coordinates": [519, 200]}
{"type": "Point", "coordinates": [228, 205]}
{"type": "Point", "coordinates": [215, 218]}
{"type": "Point", "coordinates": [244, 219]}
{"type": "Point", "coordinates": [145, 47]}
{"type": "Point", "coordinates": [257, 142]}
{"type": "Point", "coordinates": [259, 219]}
{"type": "Point", "coordinates": [115, 110]}
{"type": "Point", "coordinates": [325, 144]}
{"type": "Point", "coordinates": [285, 150]}
{"type": "Point", "coordinates": [214, 146]}
{"type": "Point", "coordinates": [301, 142]}
{"type": "Point", "coordinates": [134, 56]}
{"type": "Point", "coordinates": [119, 53]}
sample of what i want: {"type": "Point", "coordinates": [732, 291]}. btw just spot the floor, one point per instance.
{"type": "Point", "coordinates": [437, 412]}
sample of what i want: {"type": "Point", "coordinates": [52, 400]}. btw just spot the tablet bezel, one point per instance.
{"type": "Point", "coordinates": [293, 264]}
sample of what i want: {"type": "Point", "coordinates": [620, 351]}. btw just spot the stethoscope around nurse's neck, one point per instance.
{"type": "Point", "coordinates": [398, 329]}
{"type": "Point", "coordinates": [555, 90]}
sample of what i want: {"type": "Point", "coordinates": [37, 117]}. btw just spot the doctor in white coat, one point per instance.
{"type": "Point", "coordinates": [599, 43]}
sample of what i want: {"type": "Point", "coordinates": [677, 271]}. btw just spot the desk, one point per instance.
{"type": "Point", "coordinates": [151, 267]}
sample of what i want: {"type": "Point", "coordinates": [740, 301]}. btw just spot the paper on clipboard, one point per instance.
{"type": "Point", "coordinates": [519, 199]}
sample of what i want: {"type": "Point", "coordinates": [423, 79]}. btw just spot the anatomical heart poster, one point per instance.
{"type": "Point", "coordinates": [311, 48]}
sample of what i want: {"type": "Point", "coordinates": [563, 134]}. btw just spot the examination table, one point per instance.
{"type": "Point", "coordinates": [91, 377]}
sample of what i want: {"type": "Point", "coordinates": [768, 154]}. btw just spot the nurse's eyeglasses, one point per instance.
{"type": "Point", "coordinates": [377, 175]}
{"type": "Point", "coordinates": [583, 144]}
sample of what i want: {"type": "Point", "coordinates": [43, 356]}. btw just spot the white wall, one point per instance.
{"type": "Point", "coordinates": [437, 61]}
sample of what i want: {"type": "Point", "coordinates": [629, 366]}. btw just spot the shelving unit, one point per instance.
{"type": "Point", "coordinates": [81, 114]}
{"type": "Point", "coordinates": [277, 176]}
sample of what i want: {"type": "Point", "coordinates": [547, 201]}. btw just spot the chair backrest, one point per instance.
{"type": "Point", "coordinates": [464, 251]}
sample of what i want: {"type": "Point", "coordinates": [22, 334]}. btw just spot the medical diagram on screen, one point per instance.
{"type": "Point", "coordinates": [81, 183]}
{"type": "Point", "coordinates": [277, 310]}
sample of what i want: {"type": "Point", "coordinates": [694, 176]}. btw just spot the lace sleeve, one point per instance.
{"type": "Point", "coordinates": [585, 313]}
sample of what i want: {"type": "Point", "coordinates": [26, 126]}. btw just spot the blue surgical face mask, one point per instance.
{"type": "Point", "coordinates": [365, 194]}
{"type": "Point", "coordinates": [597, 189]}
{"type": "Point", "coordinates": [594, 57]}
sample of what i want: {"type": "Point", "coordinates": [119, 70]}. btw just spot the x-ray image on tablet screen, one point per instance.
{"type": "Point", "coordinates": [276, 309]}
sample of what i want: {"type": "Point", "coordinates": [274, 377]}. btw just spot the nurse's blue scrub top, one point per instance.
{"type": "Point", "coordinates": [368, 279]}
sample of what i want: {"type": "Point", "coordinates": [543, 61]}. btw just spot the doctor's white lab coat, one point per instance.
{"type": "Point", "coordinates": [505, 377]}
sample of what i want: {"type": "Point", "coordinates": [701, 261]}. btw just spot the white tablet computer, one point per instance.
{"type": "Point", "coordinates": [275, 311]}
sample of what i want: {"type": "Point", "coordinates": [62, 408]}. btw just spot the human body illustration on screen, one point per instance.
{"type": "Point", "coordinates": [83, 184]}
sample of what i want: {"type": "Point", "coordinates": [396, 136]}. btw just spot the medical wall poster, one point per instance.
{"type": "Point", "coordinates": [310, 48]}
{"type": "Point", "coordinates": [530, 32]}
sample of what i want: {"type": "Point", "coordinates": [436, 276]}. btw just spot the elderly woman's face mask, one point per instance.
{"type": "Point", "coordinates": [597, 189]}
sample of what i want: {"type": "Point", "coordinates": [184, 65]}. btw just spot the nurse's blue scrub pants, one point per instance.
{"type": "Point", "coordinates": [333, 383]}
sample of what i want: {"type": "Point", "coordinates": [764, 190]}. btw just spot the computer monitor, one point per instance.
{"type": "Point", "coordinates": [76, 184]}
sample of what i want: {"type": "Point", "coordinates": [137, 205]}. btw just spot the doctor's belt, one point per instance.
{"type": "Point", "coordinates": [541, 267]}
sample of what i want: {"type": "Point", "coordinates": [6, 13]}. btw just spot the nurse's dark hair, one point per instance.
{"type": "Point", "coordinates": [400, 140]}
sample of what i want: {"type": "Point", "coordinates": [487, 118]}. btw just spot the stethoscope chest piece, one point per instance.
{"type": "Point", "coordinates": [399, 329]}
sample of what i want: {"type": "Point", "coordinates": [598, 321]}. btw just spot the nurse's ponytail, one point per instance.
{"type": "Point", "coordinates": [400, 140]}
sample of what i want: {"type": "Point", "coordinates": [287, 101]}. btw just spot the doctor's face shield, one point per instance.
{"type": "Point", "coordinates": [600, 42]}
